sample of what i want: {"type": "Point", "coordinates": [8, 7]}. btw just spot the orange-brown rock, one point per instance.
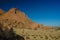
{"type": "Point", "coordinates": [1, 12]}
{"type": "Point", "coordinates": [16, 18]}
{"type": "Point", "coordinates": [34, 25]}
{"type": "Point", "coordinates": [41, 25]}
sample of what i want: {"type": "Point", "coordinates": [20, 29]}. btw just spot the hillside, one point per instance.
{"type": "Point", "coordinates": [16, 18]}
{"type": "Point", "coordinates": [15, 25]}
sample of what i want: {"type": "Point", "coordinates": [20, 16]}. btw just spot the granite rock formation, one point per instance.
{"type": "Point", "coordinates": [18, 19]}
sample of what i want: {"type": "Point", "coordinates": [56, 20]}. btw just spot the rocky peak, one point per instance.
{"type": "Point", "coordinates": [16, 18]}
{"type": "Point", "coordinates": [13, 9]}
{"type": "Point", "coordinates": [15, 15]}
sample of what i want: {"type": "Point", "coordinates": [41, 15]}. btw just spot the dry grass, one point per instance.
{"type": "Point", "coordinates": [28, 34]}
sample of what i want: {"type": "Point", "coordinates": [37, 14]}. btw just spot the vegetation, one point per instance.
{"type": "Point", "coordinates": [51, 34]}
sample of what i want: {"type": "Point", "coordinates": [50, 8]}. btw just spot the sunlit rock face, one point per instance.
{"type": "Point", "coordinates": [1, 12]}
{"type": "Point", "coordinates": [18, 19]}
{"type": "Point", "coordinates": [34, 25]}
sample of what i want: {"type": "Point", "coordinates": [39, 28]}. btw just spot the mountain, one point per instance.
{"type": "Point", "coordinates": [18, 19]}
{"type": "Point", "coordinates": [15, 18]}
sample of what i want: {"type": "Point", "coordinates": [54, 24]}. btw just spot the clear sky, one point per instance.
{"type": "Point", "coordinates": [45, 12]}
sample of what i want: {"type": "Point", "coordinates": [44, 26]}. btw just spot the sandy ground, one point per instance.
{"type": "Point", "coordinates": [51, 34]}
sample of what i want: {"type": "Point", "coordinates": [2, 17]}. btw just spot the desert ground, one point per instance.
{"type": "Point", "coordinates": [28, 34]}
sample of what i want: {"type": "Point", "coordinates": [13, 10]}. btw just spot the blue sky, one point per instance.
{"type": "Point", "coordinates": [45, 12]}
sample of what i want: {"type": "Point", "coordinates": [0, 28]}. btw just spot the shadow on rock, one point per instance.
{"type": "Point", "coordinates": [9, 34]}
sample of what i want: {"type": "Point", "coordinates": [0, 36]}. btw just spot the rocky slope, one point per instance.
{"type": "Point", "coordinates": [18, 19]}
{"type": "Point", "coordinates": [8, 34]}
{"type": "Point", "coordinates": [15, 19]}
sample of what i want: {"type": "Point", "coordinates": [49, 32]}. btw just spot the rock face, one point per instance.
{"type": "Point", "coordinates": [1, 12]}
{"type": "Point", "coordinates": [34, 25]}
{"type": "Point", "coordinates": [40, 26]}
{"type": "Point", "coordinates": [17, 19]}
